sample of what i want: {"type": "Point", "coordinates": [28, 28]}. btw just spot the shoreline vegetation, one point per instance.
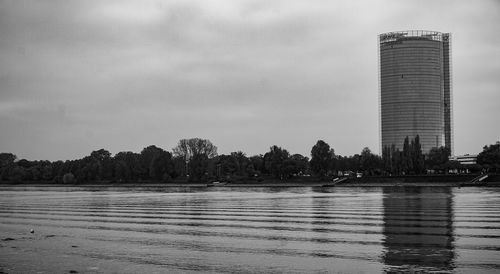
{"type": "Point", "coordinates": [195, 162]}
{"type": "Point", "coordinates": [370, 181]}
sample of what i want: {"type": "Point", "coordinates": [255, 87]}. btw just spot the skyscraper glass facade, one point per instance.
{"type": "Point", "coordinates": [415, 88]}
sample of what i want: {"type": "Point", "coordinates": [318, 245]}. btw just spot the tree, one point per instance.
{"type": "Point", "coordinates": [396, 160]}
{"type": "Point", "coordinates": [7, 159]}
{"type": "Point", "coordinates": [321, 158]}
{"type": "Point", "coordinates": [407, 163]}
{"type": "Point", "coordinates": [301, 163]}
{"type": "Point", "coordinates": [257, 162]}
{"type": "Point", "coordinates": [180, 167]}
{"type": "Point", "coordinates": [452, 165]}
{"type": "Point", "coordinates": [274, 161]}
{"type": "Point", "coordinates": [225, 165]}
{"type": "Point", "coordinates": [437, 158]}
{"type": "Point", "coordinates": [295, 165]}
{"type": "Point", "coordinates": [387, 159]}
{"type": "Point", "coordinates": [122, 171]}
{"type": "Point", "coordinates": [6, 164]}
{"type": "Point", "coordinates": [198, 167]}
{"type": "Point", "coordinates": [46, 170]}
{"type": "Point", "coordinates": [146, 158]}
{"type": "Point", "coordinates": [161, 167]}
{"type": "Point", "coordinates": [24, 163]}
{"type": "Point", "coordinates": [370, 163]}
{"type": "Point", "coordinates": [100, 155]}
{"type": "Point", "coordinates": [418, 156]}
{"type": "Point", "coordinates": [187, 148]}
{"type": "Point", "coordinates": [102, 160]}
{"type": "Point", "coordinates": [490, 156]}
{"type": "Point", "coordinates": [130, 166]}
{"type": "Point", "coordinates": [241, 162]}
{"type": "Point", "coordinates": [17, 174]}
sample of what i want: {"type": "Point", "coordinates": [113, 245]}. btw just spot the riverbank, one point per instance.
{"type": "Point", "coordinates": [368, 181]}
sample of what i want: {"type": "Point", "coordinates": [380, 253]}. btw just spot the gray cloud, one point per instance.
{"type": "Point", "coordinates": [80, 75]}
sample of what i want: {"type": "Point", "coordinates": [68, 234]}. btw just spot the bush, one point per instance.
{"type": "Point", "coordinates": [58, 179]}
{"type": "Point", "coordinates": [166, 178]}
{"type": "Point", "coordinates": [69, 178]}
{"type": "Point", "coordinates": [17, 174]}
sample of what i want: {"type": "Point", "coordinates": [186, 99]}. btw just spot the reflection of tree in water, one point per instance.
{"type": "Point", "coordinates": [418, 229]}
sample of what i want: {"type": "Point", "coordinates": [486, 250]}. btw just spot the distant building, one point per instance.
{"type": "Point", "coordinates": [466, 159]}
{"type": "Point", "coordinates": [415, 88]}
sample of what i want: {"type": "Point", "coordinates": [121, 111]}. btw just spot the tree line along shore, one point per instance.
{"type": "Point", "coordinates": [196, 160]}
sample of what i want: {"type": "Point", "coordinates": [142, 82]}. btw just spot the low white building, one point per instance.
{"type": "Point", "coordinates": [466, 159]}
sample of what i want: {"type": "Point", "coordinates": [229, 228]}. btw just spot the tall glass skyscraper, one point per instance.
{"type": "Point", "coordinates": [415, 88]}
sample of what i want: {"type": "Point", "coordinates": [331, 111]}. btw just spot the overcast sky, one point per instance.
{"type": "Point", "coordinates": [77, 76]}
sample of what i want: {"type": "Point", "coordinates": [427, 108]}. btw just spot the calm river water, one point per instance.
{"type": "Point", "coordinates": [249, 230]}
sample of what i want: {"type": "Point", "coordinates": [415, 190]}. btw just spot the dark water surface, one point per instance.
{"type": "Point", "coordinates": [249, 230]}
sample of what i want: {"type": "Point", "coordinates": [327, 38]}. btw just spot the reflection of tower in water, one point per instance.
{"type": "Point", "coordinates": [418, 229]}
